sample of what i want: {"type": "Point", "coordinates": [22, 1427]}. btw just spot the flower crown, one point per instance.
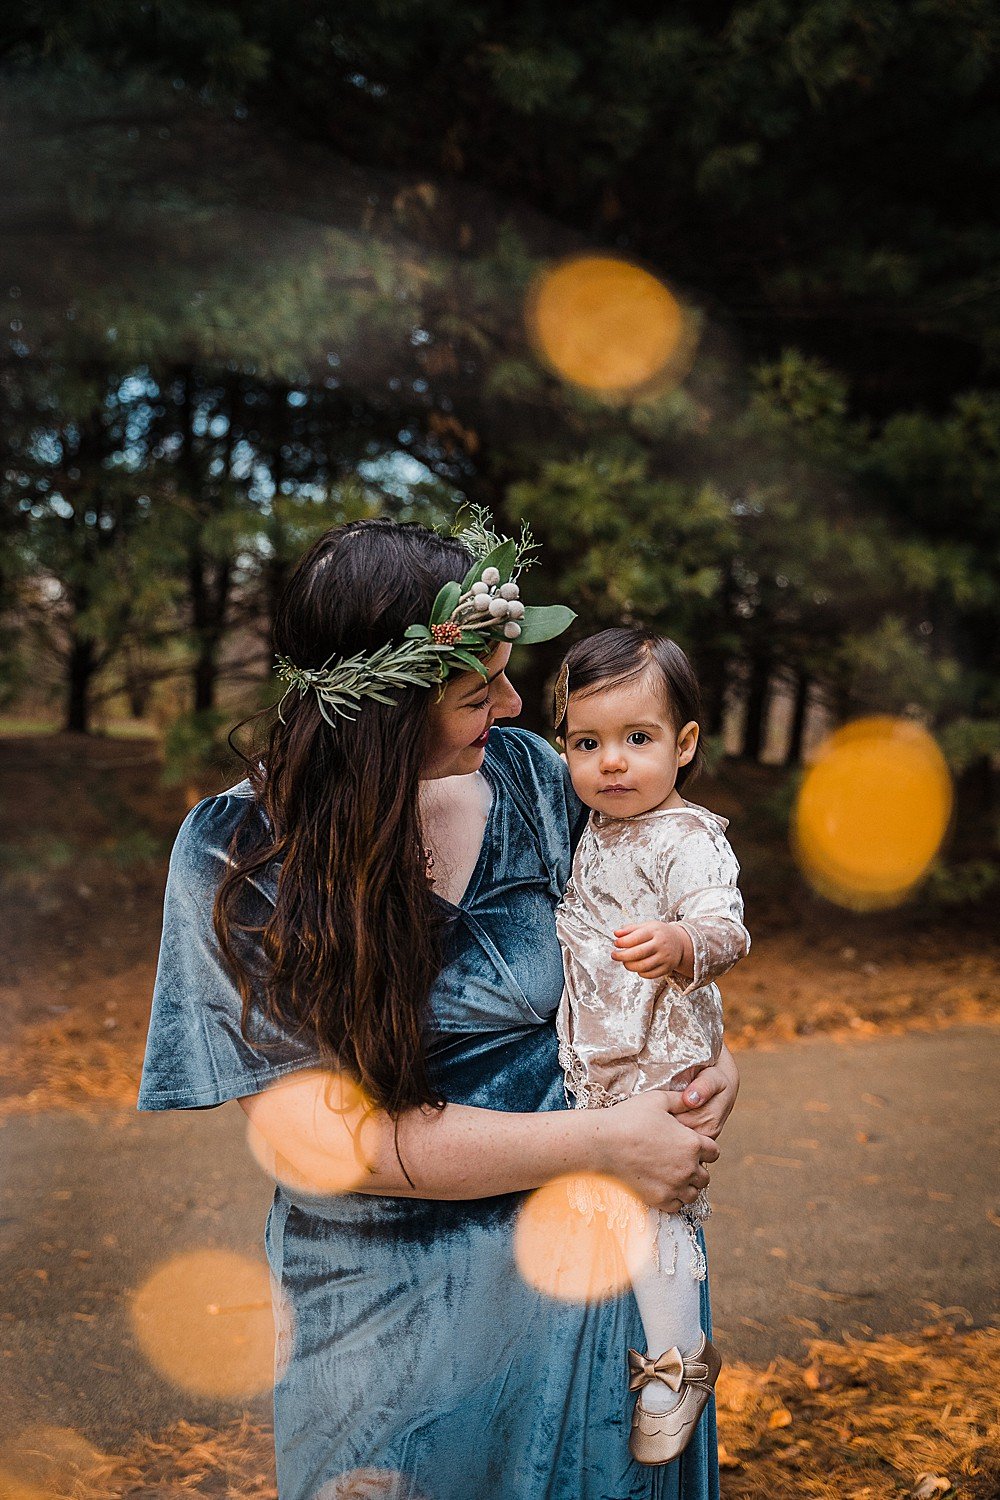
{"type": "Point", "coordinates": [468, 620]}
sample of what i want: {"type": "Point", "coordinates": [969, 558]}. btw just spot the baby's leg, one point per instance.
{"type": "Point", "coordinates": [664, 1266]}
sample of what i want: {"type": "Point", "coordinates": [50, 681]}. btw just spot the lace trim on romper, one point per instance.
{"type": "Point", "coordinates": [620, 1208]}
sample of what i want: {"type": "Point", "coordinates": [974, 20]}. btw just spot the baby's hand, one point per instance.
{"type": "Point", "coordinates": [654, 949]}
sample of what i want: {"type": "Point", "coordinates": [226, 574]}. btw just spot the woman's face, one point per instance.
{"type": "Point", "coordinates": [461, 719]}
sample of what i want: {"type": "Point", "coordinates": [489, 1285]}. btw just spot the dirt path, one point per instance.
{"type": "Point", "coordinates": [859, 1185]}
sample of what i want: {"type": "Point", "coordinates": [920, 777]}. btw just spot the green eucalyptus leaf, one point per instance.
{"type": "Point", "coordinates": [417, 632]}
{"type": "Point", "coordinates": [472, 662]}
{"type": "Point", "coordinates": [444, 604]}
{"type": "Point", "coordinates": [543, 623]}
{"type": "Point", "coordinates": [502, 558]}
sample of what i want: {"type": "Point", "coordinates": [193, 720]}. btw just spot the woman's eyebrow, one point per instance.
{"type": "Point", "coordinates": [479, 687]}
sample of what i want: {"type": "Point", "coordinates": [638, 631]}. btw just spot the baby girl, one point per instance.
{"type": "Point", "coordinates": [650, 918]}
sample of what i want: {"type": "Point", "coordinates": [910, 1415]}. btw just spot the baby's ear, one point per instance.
{"type": "Point", "coordinates": [687, 741]}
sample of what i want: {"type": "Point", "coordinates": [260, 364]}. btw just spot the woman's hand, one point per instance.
{"type": "Point", "coordinates": [642, 1146]}
{"type": "Point", "coordinates": [706, 1103]}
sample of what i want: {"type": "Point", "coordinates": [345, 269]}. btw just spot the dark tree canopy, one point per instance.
{"type": "Point", "coordinates": [267, 267]}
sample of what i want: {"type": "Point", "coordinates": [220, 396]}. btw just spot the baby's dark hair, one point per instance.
{"type": "Point", "coordinates": [616, 655]}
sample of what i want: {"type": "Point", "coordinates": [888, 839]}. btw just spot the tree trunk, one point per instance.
{"type": "Point", "coordinates": [715, 681]}
{"type": "Point", "coordinates": [137, 692]}
{"type": "Point", "coordinates": [715, 662]}
{"type": "Point", "coordinates": [209, 578]}
{"type": "Point", "coordinates": [758, 701]}
{"type": "Point", "coordinates": [793, 755]}
{"type": "Point", "coordinates": [79, 676]}
{"type": "Point", "coordinates": [205, 674]}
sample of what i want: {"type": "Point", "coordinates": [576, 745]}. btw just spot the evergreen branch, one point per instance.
{"type": "Point", "coordinates": [342, 683]}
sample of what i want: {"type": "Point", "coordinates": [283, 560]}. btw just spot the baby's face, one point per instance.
{"type": "Point", "coordinates": [624, 751]}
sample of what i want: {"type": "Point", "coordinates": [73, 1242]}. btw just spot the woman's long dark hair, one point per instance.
{"type": "Point", "coordinates": [353, 944]}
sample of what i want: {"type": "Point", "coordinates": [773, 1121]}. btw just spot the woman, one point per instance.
{"type": "Point", "coordinates": [384, 890]}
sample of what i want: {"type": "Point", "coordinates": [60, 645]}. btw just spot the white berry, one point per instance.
{"type": "Point", "coordinates": [499, 608]}
{"type": "Point", "coordinates": [512, 630]}
{"type": "Point", "coordinates": [491, 577]}
{"type": "Point", "coordinates": [480, 588]}
{"type": "Point", "coordinates": [515, 610]}
{"type": "Point", "coordinates": [509, 591]}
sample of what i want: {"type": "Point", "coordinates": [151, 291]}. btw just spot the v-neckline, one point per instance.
{"type": "Point", "coordinates": [472, 885]}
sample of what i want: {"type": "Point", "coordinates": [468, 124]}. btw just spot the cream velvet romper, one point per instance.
{"type": "Point", "coordinates": [619, 1033]}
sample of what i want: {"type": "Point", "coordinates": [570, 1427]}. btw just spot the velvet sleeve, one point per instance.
{"type": "Point", "coordinates": [196, 1053]}
{"type": "Point", "coordinates": [703, 896]}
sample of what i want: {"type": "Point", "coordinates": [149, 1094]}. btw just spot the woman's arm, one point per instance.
{"type": "Point", "coordinates": [312, 1134]}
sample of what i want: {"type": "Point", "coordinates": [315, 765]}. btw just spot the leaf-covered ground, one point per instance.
{"type": "Point", "coordinates": [915, 1416]}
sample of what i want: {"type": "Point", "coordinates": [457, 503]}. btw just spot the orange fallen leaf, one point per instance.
{"type": "Point", "coordinates": [780, 1417]}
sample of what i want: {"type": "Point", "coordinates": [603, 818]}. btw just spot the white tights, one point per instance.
{"type": "Point", "coordinates": [664, 1265]}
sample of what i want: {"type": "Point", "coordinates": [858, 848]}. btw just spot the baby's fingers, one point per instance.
{"type": "Point", "coordinates": [631, 937]}
{"type": "Point", "coordinates": [629, 956]}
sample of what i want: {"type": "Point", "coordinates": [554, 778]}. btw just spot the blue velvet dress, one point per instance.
{"type": "Point", "coordinates": [416, 1350]}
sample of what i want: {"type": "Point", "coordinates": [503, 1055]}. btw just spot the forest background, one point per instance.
{"type": "Point", "coordinates": [265, 269]}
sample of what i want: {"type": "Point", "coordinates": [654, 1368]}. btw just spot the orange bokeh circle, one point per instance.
{"type": "Point", "coordinates": [204, 1320]}
{"type": "Point", "coordinates": [44, 1462]}
{"type": "Point", "coordinates": [607, 325]}
{"type": "Point", "coordinates": [368, 1484]}
{"type": "Point", "coordinates": [872, 812]}
{"type": "Point", "coordinates": [576, 1236]}
{"type": "Point", "coordinates": [315, 1151]}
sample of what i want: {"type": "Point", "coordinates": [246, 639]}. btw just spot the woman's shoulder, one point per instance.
{"type": "Point", "coordinates": [526, 754]}
{"type": "Point", "coordinates": [538, 786]}
{"type": "Point", "coordinates": [205, 836]}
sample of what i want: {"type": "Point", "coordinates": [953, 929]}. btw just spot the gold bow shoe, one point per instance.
{"type": "Point", "coordinates": [658, 1438]}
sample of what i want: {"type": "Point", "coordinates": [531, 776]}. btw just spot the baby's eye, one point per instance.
{"type": "Point", "coordinates": [585, 744]}
{"type": "Point", "coordinates": [639, 737]}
